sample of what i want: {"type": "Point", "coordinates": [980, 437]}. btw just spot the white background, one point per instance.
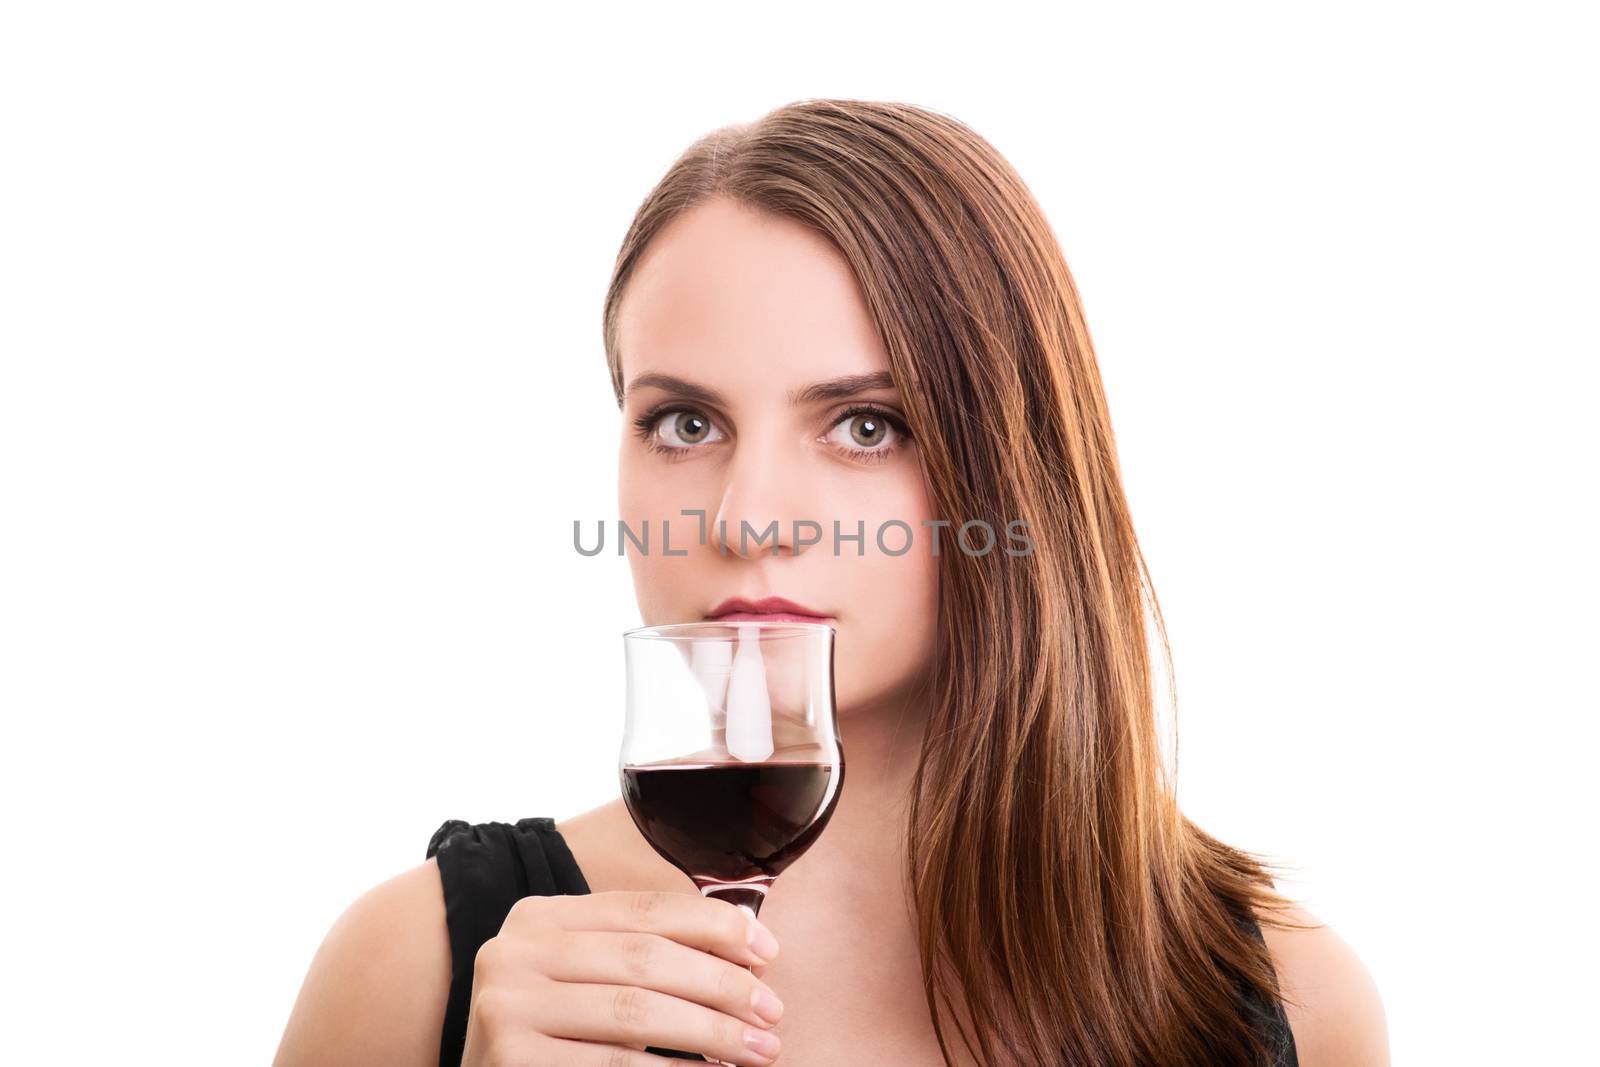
{"type": "Point", "coordinates": [303, 387]}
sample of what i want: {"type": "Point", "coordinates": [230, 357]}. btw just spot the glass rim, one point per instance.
{"type": "Point", "coordinates": [690, 631]}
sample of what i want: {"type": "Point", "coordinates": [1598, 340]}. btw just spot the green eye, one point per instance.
{"type": "Point", "coordinates": [689, 428]}
{"type": "Point", "coordinates": [868, 431]}
{"type": "Point", "coordinates": [675, 430]}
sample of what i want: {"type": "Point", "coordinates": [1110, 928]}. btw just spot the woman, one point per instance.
{"type": "Point", "coordinates": [855, 312]}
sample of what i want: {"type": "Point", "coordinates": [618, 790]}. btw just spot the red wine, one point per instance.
{"type": "Point", "coordinates": [731, 822]}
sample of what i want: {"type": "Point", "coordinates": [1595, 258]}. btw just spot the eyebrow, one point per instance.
{"type": "Point", "coordinates": [816, 393]}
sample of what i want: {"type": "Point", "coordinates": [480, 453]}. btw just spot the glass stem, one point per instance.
{"type": "Point", "coordinates": [748, 895]}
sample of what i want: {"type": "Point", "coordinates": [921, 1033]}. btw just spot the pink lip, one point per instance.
{"type": "Point", "coordinates": [769, 609]}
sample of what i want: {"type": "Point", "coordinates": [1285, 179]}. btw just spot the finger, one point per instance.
{"type": "Point", "coordinates": [503, 1030]}
{"type": "Point", "coordinates": [659, 963]}
{"type": "Point", "coordinates": [631, 1015]}
{"type": "Point", "coordinates": [713, 926]}
{"type": "Point", "coordinates": [588, 1054]}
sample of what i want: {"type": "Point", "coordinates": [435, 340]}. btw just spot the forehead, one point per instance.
{"type": "Point", "coordinates": [746, 301]}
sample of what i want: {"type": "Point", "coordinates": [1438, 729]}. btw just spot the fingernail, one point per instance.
{"type": "Point", "coordinates": [762, 943]}
{"type": "Point", "coordinates": [761, 1042]}
{"type": "Point", "coordinates": [766, 1004]}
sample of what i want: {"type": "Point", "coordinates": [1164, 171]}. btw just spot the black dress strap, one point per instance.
{"type": "Point", "coordinates": [1267, 1016]}
{"type": "Point", "coordinates": [485, 868]}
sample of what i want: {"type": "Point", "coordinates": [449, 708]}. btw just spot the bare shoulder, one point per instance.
{"type": "Point", "coordinates": [612, 855]}
{"type": "Point", "coordinates": [1332, 1002]}
{"type": "Point", "coordinates": [376, 989]}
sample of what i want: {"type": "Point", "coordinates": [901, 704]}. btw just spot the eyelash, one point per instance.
{"type": "Point", "coordinates": [645, 425]}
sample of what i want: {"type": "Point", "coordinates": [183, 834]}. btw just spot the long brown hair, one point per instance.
{"type": "Point", "coordinates": [1064, 904]}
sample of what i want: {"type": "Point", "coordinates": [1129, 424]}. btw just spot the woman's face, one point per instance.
{"type": "Point", "coordinates": [730, 317]}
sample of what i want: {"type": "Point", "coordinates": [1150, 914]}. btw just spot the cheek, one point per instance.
{"type": "Point", "coordinates": [657, 577]}
{"type": "Point", "coordinates": [888, 634]}
{"type": "Point", "coordinates": [634, 499]}
{"type": "Point", "coordinates": [886, 643]}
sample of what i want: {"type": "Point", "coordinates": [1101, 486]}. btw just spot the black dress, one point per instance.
{"type": "Point", "coordinates": [487, 867]}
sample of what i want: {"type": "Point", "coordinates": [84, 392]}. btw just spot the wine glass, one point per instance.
{"type": "Point", "coordinates": [731, 761]}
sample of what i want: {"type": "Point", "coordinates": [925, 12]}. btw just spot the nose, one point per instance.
{"type": "Point", "coordinates": [757, 513]}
